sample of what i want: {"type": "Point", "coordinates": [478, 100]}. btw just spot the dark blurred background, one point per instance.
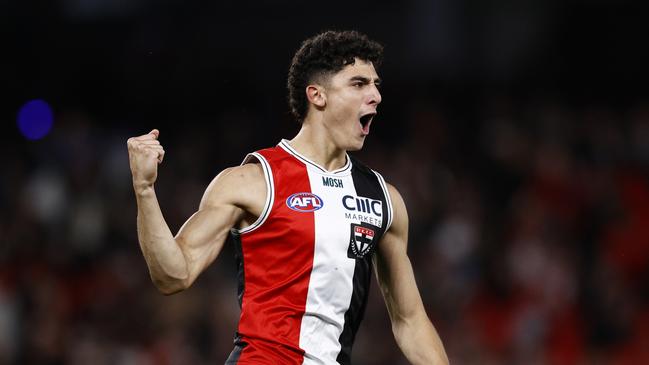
{"type": "Point", "coordinates": [517, 132]}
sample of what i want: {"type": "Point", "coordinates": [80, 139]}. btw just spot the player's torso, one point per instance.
{"type": "Point", "coordinates": [305, 265]}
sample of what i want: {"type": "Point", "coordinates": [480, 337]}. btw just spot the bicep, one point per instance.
{"type": "Point", "coordinates": [202, 237]}
{"type": "Point", "coordinates": [223, 205]}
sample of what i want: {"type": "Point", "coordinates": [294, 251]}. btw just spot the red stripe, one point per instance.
{"type": "Point", "coordinates": [277, 262]}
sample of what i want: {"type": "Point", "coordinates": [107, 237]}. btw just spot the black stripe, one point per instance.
{"type": "Point", "coordinates": [367, 185]}
{"type": "Point", "coordinates": [356, 311]}
{"type": "Point", "coordinates": [238, 257]}
{"type": "Point", "coordinates": [233, 359]}
{"type": "Point", "coordinates": [387, 197]}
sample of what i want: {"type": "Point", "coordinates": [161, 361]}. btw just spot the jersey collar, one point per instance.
{"type": "Point", "coordinates": [287, 147]}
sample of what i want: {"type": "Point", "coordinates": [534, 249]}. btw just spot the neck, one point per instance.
{"type": "Point", "coordinates": [313, 142]}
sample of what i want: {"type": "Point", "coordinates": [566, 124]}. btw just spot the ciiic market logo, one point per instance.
{"type": "Point", "coordinates": [304, 202]}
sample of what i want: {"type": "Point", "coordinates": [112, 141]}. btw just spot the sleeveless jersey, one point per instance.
{"type": "Point", "coordinates": [305, 264]}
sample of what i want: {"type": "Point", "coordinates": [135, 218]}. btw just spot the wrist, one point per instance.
{"type": "Point", "coordinates": [143, 189]}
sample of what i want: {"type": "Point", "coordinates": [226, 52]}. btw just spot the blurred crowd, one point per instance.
{"type": "Point", "coordinates": [529, 235]}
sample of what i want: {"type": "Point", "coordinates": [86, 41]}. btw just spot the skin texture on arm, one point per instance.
{"type": "Point", "coordinates": [413, 331]}
{"type": "Point", "coordinates": [175, 262]}
{"type": "Point", "coordinates": [235, 197]}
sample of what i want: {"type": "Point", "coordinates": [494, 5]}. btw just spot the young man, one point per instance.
{"type": "Point", "coordinates": [308, 220]}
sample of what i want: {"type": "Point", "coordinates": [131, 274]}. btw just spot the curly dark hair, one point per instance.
{"type": "Point", "coordinates": [323, 55]}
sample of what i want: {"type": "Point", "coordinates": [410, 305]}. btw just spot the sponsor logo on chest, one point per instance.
{"type": "Point", "coordinates": [363, 209]}
{"type": "Point", "coordinates": [332, 182]}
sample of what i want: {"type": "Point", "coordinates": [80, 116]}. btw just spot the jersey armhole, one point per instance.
{"type": "Point", "coordinates": [270, 193]}
{"type": "Point", "coordinates": [384, 187]}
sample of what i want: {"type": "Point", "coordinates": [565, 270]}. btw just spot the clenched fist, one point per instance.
{"type": "Point", "coordinates": [144, 155]}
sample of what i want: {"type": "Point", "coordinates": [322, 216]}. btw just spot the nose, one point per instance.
{"type": "Point", "coordinates": [375, 96]}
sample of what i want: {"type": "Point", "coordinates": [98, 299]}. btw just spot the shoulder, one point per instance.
{"type": "Point", "coordinates": [235, 184]}
{"type": "Point", "coordinates": [395, 240]}
{"type": "Point", "coordinates": [400, 213]}
{"type": "Point", "coordinates": [395, 196]}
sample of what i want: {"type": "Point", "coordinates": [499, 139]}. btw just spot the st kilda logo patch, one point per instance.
{"type": "Point", "coordinates": [361, 240]}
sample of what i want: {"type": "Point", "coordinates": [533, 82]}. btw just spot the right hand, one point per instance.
{"type": "Point", "coordinates": [144, 155]}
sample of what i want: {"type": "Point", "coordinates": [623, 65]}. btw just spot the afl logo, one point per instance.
{"type": "Point", "coordinates": [304, 202]}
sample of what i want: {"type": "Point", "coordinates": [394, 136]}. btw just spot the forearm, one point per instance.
{"type": "Point", "coordinates": [167, 264]}
{"type": "Point", "coordinates": [419, 341]}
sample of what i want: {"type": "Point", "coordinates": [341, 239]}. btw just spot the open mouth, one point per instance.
{"type": "Point", "coordinates": [366, 120]}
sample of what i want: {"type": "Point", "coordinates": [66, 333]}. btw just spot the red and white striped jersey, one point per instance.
{"type": "Point", "coordinates": [305, 264]}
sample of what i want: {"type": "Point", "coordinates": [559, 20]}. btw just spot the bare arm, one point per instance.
{"type": "Point", "coordinates": [175, 262]}
{"type": "Point", "coordinates": [412, 329]}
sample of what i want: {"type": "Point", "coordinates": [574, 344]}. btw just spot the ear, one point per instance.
{"type": "Point", "coordinates": [316, 95]}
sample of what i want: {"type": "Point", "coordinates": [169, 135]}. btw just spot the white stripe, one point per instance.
{"type": "Point", "coordinates": [387, 199]}
{"type": "Point", "coordinates": [331, 282]}
{"type": "Point", "coordinates": [270, 192]}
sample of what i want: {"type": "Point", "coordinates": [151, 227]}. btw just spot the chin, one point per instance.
{"type": "Point", "coordinates": [356, 146]}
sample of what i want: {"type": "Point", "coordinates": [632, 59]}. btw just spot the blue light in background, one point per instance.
{"type": "Point", "coordinates": [35, 119]}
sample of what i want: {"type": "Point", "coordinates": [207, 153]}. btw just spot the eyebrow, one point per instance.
{"type": "Point", "coordinates": [365, 80]}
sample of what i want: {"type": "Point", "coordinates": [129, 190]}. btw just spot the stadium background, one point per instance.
{"type": "Point", "coordinates": [518, 134]}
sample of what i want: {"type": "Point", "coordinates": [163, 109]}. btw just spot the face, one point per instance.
{"type": "Point", "coordinates": [352, 98]}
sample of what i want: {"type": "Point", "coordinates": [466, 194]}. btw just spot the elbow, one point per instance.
{"type": "Point", "coordinates": [169, 290]}
{"type": "Point", "coordinates": [442, 359]}
{"type": "Point", "coordinates": [169, 286]}
{"type": "Point", "coordinates": [439, 359]}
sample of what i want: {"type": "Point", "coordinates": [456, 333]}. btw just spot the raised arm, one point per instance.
{"type": "Point", "coordinates": [413, 331]}
{"type": "Point", "coordinates": [175, 262]}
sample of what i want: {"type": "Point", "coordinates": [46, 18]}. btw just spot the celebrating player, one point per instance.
{"type": "Point", "coordinates": [309, 222]}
